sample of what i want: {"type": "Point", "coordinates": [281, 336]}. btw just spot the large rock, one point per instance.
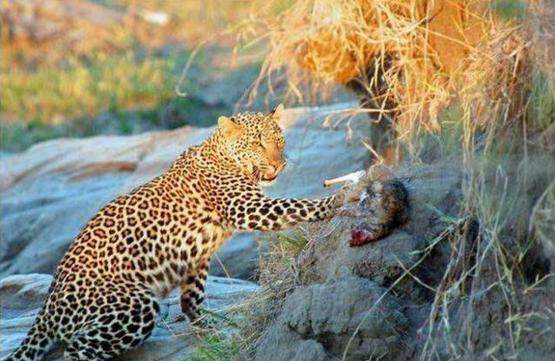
{"type": "Point", "coordinates": [320, 322]}
{"type": "Point", "coordinates": [22, 295]}
{"type": "Point", "coordinates": [50, 191]}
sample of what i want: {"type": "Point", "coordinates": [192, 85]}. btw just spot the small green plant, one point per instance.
{"type": "Point", "coordinates": [542, 100]}
{"type": "Point", "coordinates": [217, 348]}
{"type": "Point", "coordinates": [294, 241]}
{"type": "Point", "coordinates": [510, 9]}
{"type": "Point", "coordinates": [228, 321]}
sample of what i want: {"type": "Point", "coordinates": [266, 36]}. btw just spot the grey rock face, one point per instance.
{"type": "Point", "coordinates": [22, 295]}
{"type": "Point", "coordinates": [351, 317]}
{"type": "Point", "coordinates": [49, 192]}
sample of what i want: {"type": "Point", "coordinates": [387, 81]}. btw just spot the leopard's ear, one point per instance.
{"type": "Point", "coordinates": [229, 128]}
{"type": "Point", "coordinates": [277, 113]}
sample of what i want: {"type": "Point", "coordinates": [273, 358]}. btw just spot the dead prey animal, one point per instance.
{"type": "Point", "coordinates": [383, 203]}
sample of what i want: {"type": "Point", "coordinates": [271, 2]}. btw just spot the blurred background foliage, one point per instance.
{"type": "Point", "coordinates": [79, 68]}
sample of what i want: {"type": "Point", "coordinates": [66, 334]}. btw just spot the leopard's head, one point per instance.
{"type": "Point", "coordinates": [255, 141]}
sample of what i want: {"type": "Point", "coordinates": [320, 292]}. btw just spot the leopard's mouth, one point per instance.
{"type": "Point", "coordinates": [271, 173]}
{"type": "Point", "coordinates": [268, 179]}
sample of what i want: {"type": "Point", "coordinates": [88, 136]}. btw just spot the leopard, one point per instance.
{"type": "Point", "coordinates": [105, 295]}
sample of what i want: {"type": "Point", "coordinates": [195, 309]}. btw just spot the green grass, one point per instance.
{"type": "Point", "coordinates": [116, 94]}
{"type": "Point", "coordinates": [295, 240]}
{"type": "Point", "coordinates": [510, 9]}
{"type": "Point", "coordinates": [542, 100]}
{"type": "Point", "coordinates": [52, 93]}
{"type": "Point", "coordinates": [217, 348]}
{"type": "Point", "coordinates": [18, 136]}
{"type": "Point", "coordinates": [227, 321]}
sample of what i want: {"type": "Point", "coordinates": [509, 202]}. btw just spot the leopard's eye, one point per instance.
{"type": "Point", "coordinates": [258, 142]}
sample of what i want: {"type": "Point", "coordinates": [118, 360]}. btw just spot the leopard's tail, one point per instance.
{"type": "Point", "coordinates": [36, 344]}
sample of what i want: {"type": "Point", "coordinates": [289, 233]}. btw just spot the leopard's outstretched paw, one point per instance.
{"type": "Point", "coordinates": [349, 210]}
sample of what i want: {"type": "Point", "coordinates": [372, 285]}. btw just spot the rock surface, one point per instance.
{"type": "Point", "coordinates": [50, 191]}
{"type": "Point", "coordinates": [22, 295]}
{"type": "Point", "coordinates": [319, 321]}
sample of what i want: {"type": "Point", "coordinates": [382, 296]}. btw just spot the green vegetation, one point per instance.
{"type": "Point", "coordinates": [291, 242]}
{"type": "Point", "coordinates": [542, 100]}
{"type": "Point", "coordinates": [510, 9]}
{"type": "Point", "coordinates": [52, 94]}
{"type": "Point", "coordinates": [217, 348]}
{"type": "Point", "coordinates": [17, 136]}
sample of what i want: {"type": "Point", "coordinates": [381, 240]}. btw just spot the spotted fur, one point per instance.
{"type": "Point", "coordinates": [104, 297]}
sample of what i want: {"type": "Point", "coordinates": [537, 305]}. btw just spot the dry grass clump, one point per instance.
{"type": "Point", "coordinates": [413, 53]}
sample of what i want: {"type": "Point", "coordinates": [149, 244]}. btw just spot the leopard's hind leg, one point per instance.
{"type": "Point", "coordinates": [121, 322]}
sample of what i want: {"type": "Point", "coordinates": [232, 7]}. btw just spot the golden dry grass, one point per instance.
{"type": "Point", "coordinates": [427, 54]}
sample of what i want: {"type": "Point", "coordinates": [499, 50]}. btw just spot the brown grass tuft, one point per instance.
{"type": "Point", "coordinates": [420, 50]}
